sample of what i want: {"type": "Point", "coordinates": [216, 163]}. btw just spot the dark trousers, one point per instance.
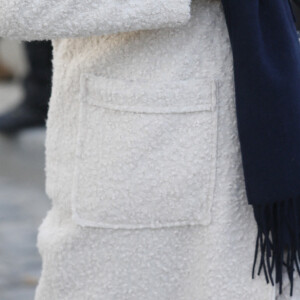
{"type": "Point", "coordinates": [296, 9]}
{"type": "Point", "coordinates": [37, 84]}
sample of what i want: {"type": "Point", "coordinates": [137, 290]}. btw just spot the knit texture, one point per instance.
{"type": "Point", "coordinates": [266, 56]}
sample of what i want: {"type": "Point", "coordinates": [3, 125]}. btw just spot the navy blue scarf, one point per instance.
{"type": "Point", "coordinates": [266, 56]}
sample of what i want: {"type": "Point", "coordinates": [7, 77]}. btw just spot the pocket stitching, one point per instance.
{"type": "Point", "coordinates": [164, 85]}
{"type": "Point", "coordinates": [153, 225]}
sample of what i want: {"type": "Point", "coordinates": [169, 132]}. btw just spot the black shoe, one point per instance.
{"type": "Point", "coordinates": [21, 117]}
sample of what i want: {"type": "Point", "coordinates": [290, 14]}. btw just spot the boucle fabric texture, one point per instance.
{"type": "Point", "coordinates": [143, 158]}
{"type": "Point", "coordinates": [146, 129]}
{"type": "Point", "coordinates": [40, 19]}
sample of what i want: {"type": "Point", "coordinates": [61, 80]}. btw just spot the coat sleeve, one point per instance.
{"type": "Point", "coordinates": [49, 19]}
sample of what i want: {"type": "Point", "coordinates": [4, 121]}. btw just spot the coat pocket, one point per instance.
{"type": "Point", "coordinates": [146, 153]}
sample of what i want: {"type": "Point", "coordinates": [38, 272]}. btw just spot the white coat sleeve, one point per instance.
{"type": "Point", "coordinates": [49, 19]}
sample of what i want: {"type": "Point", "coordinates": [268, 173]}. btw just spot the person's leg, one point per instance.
{"type": "Point", "coordinates": [37, 84]}
{"type": "Point", "coordinates": [32, 111]}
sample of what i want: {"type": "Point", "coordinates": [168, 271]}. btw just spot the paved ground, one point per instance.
{"type": "Point", "coordinates": [23, 205]}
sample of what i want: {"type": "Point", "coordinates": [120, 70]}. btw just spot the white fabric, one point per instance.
{"type": "Point", "coordinates": [143, 159]}
{"type": "Point", "coordinates": [140, 173]}
{"type": "Point", "coordinates": [40, 19]}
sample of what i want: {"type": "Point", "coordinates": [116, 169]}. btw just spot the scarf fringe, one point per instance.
{"type": "Point", "coordinates": [278, 241]}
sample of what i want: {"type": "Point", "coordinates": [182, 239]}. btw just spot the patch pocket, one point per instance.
{"type": "Point", "coordinates": [146, 153]}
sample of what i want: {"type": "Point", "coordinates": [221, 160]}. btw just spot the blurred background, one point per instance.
{"type": "Point", "coordinates": [25, 86]}
{"type": "Point", "coordinates": [25, 82]}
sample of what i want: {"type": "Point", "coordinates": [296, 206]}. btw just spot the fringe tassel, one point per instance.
{"type": "Point", "coordinates": [278, 241]}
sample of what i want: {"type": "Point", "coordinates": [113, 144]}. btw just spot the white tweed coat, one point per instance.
{"type": "Point", "coordinates": [143, 159]}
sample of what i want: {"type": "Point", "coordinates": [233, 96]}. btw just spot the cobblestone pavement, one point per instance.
{"type": "Point", "coordinates": [23, 205]}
